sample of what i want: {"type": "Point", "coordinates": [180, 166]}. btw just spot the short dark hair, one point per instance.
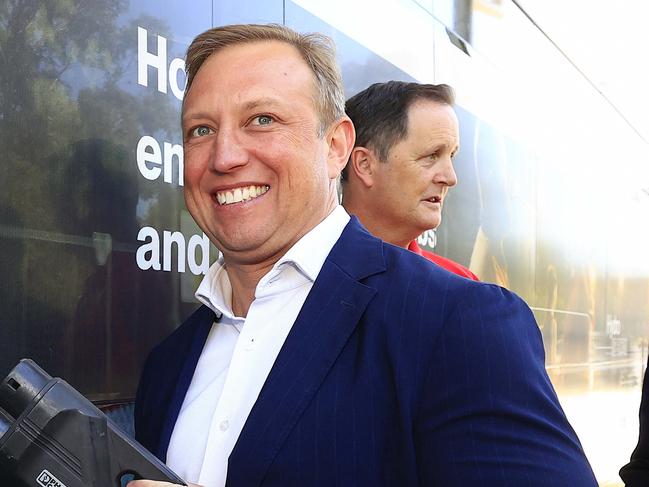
{"type": "Point", "coordinates": [380, 113]}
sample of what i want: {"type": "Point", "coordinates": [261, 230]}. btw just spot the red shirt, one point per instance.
{"type": "Point", "coordinates": [447, 264]}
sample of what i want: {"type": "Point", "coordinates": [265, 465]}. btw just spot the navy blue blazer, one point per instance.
{"type": "Point", "coordinates": [396, 372]}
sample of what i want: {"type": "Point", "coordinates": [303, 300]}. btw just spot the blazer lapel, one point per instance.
{"type": "Point", "coordinates": [327, 319]}
{"type": "Point", "coordinates": [190, 351]}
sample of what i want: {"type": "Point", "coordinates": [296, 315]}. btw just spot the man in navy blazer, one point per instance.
{"type": "Point", "coordinates": [389, 370]}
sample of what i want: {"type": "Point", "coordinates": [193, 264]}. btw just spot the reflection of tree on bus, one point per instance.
{"type": "Point", "coordinates": [115, 299]}
{"type": "Point", "coordinates": [490, 158]}
{"type": "Point", "coordinates": [62, 89]}
{"type": "Point", "coordinates": [492, 210]}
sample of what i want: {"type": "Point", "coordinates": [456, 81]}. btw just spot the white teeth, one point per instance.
{"type": "Point", "coordinates": [240, 194]}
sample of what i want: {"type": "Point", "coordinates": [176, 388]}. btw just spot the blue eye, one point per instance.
{"type": "Point", "coordinates": [262, 120]}
{"type": "Point", "coordinates": [201, 131]}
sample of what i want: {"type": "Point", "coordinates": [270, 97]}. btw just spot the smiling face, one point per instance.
{"type": "Point", "coordinates": [408, 189]}
{"type": "Point", "coordinates": [257, 175]}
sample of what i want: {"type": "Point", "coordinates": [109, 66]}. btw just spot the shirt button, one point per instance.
{"type": "Point", "coordinates": [224, 425]}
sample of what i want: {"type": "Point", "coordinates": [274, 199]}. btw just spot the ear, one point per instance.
{"type": "Point", "coordinates": [340, 138]}
{"type": "Point", "coordinates": [361, 164]}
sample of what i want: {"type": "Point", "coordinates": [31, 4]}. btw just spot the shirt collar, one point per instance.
{"type": "Point", "coordinates": [215, 291]}
{"type": "Point", "coordinates": [414, 247]}
{"type": "Point", "coordinates": [307, 255]}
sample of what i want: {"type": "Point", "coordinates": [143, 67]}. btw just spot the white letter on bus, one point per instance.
{"type": "Point", "coordinates": [202, 243]}
{"type": "Point", "coordinates": [144, 157]}
{"type": "Point", "coordinates": [153, 247]}
{"type": "Point", "coordinates": [146, 59]}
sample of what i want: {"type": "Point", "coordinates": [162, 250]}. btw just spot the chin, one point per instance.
{"type": "Point", "coordinates": [238, 239]}
{"type": "Point", "coordinates": [430, 224]}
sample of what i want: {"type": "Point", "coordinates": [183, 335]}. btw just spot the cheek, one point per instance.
{"type": "Point", "coordinates": [300, 169]}
{"type": "Point", "coordinates": [423, 179]}
{"type": "Point", "coordinates": [194, 168]}
{"type": "Point", "coordinates": [191, 179]}
{"type": "Point", "coordinates": [411, 182]}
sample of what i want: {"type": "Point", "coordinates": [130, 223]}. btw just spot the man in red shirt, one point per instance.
{"type": "Point", "coordinates": [401, 166]}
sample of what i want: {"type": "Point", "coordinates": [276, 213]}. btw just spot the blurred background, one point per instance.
{"type": "Point", "coordinates": [99, 257]}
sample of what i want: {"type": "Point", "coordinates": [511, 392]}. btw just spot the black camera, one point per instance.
{"type": "Point", "coordinates": [52, 436]}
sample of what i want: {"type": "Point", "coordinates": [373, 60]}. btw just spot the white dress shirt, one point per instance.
{"type": "Point", "coordinates": [240, 352]}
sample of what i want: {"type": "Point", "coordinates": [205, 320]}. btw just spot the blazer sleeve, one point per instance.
{"type": "Point", "coordinates": [489, 413]}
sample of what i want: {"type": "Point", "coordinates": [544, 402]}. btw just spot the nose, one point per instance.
{"type": "Point", "coordinates": [228, 152]}
{"type": "Point", "coordinates": [446, 173]}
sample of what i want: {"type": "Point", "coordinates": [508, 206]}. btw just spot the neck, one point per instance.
{"type": "Point", "coordinates": [245, 275]}
{"type": "Point", "coordinates": [244, 280]}
{"type": "Point", "coordinates": [375, 224]}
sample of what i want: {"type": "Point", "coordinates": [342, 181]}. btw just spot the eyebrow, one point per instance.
{"type": "Point", "coordinates": [193, 116]}
{"type": "Point", "coordinates": [262, 102]}
{"type": "Point", "coordinates": [247, 106]}
{"type": "Point", "coordinates": [443, 146]}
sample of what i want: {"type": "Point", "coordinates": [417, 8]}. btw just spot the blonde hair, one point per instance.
{"type": "Point", "coordinates": [317, 50]}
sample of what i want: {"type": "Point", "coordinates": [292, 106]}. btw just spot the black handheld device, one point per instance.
{"type": "Point", "coordinates": [52, 436]}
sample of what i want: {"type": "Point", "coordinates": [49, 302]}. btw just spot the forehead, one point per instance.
{"type": "Point", "coordinates": [252, 70]}
{"type": "Point", "coordinates": [432, 119]}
